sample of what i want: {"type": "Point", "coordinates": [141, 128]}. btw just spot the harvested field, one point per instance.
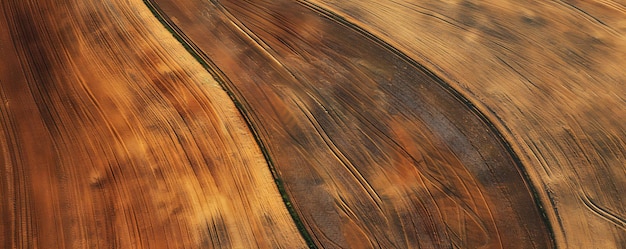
{"type": "Point", "coordinates": [550, 76]}
{"type": "Point", "coordinates": [372, 149]}
{"type": "Point", "coordinates": [113, 136]}
{"type": "Point", "coordinates": [383, 124]}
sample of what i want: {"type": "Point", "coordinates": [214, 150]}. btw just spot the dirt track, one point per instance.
{"type": "Point", "coordinates": [405, 124]}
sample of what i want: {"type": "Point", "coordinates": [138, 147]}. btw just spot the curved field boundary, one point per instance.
{"type": "Point", "coordinates": [326, 113]}
{"type": "Point", "coordinates": [548, 75]}
{"type": "Point", "coordinates": [339, 19]}
{"type": "Point", "coordinates": [112, 136]}
{"type": "Point", "coordinates": [219, 76]}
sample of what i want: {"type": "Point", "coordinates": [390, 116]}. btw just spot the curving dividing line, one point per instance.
{"type": "Point", "coordinates": [373, 149]}
{"type": "Point", "coordinates": [112, 136]}
{"type": "Point", "coordinates": [219, 76]}
{"type": "Point", "coordinates": [603, 212]}
{"type": "Point", "coordinates": [339, 19]}
{"type": "Point", "coordinates": [548, 74]}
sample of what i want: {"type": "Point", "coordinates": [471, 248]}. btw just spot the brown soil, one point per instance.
{"type": "Point", "coordinates": [113, 136]}
{"type": "Point", "coordinates": [374, 150]}
{"type": "Point", "coordinates": [551, 77]}
{"type": "Point", "coordinates": [390, 124]}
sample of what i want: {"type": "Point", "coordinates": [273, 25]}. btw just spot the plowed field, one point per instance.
{"type": "Point", "coordinates": [322, 123]}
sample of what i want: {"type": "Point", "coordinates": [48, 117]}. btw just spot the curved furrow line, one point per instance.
{"type": "Point", "coordinates": [316, 82]}
{"type": "Point", "coordinates": [602, 212]}
{"type": "Point", "coordinates": [550, 77]}
{"type": "Point", "coordinates": [113, 136]}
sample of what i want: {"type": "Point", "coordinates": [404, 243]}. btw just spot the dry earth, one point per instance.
{"type": "Point", "coordinates": [391, 124]}
{"type": "Point", "coordinates": [374, 150]}
{"type": "Point", "coordinates": [552, 77]}
{"type": "Point", "coordinates": [113, 136]}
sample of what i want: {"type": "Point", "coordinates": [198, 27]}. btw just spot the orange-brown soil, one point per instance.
{"type": "Point", "coordinates": [374, 150]}
{"type": "Point", "coordinates": [552, 78]}
{"type": "Point", "coordinates": [113, 136]}
{"type": "Point", "coordinates": [388, 124]}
